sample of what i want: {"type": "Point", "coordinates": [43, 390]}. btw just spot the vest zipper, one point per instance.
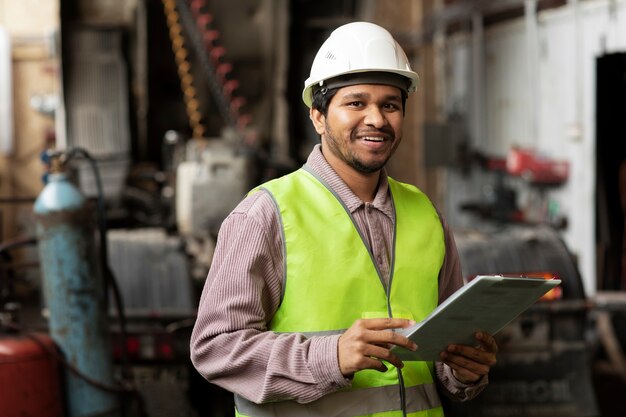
{"type": "Point", "coordinates": [373, 259]}
{"type": "Point", "coordinates": [392, 262]}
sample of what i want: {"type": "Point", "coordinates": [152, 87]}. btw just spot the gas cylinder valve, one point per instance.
{"type": "Point", "coordinates": [9, 317]}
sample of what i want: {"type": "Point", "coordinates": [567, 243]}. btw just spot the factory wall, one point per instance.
{"type": "Point", "coordinates": [538, 94]}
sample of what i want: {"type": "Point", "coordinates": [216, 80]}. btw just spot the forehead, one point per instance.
{"type": "Point", "coordinates": [370, 91]}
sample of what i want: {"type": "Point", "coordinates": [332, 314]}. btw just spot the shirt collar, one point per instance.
{"type": "Point", "coordinates": [320, 166]}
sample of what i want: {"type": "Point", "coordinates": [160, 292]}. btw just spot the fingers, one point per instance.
{"type": "Point", "coordinates": [484, 354]}
{"type": "Point", "coordinates": [367, 342]}
{"type": "Point", "coordinates": [465, 369]}
{"type": "Point", "coordinates": [487, 341]}
{"type": "Point", "coordinates": [470, 363]}
{"type": "Point", "coordinates": [464, 375]}
{"type": "Point", "coordinates": [372, 356]}
{"type": "Point", "coordinates": [377, 332]}
{"type": "Point", "coordinates": [384, 323]}
{"type": "Point", "coordinates": [469, 358]}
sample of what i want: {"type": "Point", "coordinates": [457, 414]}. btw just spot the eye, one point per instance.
{"type": "Point", "coordinates": [391, 107]}
{"type": "Point", "coordinates": [355, 104]}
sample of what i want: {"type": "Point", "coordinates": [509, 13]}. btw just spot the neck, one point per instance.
{"type": "Point", "coordinates": [362, 185]}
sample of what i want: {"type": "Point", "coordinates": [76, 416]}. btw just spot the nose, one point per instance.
{"type": "Point", "coordinates": [375, 117]}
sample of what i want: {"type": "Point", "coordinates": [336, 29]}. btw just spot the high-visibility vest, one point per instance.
{"type": "Point", "coordinates": [331, 280]}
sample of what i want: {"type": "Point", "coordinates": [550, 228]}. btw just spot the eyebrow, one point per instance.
{"type": "Point", "coordinates": [366, 95]}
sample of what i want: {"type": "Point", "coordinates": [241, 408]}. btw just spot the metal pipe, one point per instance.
{"type": "Point", "coordinates": [439, 64]}
{"type": "Point", "coordinates": [17, 200]}
{"type": "Point", "coordinates": [576, 129]}
{"type": "Point", "coordinates": [530, 14]}
{"type": "Point", "coordinates": [6, 94]}
{"type": "Point", "coordinates": [477, 79]}
{"type": "Point", "coordinates": [18, 265]}
{"type": "Point", "coordinates": [17, 243]}
{"type": "Point", "coordinates": [278, 38]}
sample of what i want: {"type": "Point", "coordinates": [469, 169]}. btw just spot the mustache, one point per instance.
{"type": "Point", "coordinates": [386, 132]}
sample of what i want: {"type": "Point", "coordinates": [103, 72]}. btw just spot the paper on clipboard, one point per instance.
{"type": "Point", "coordinates": [487, 303]}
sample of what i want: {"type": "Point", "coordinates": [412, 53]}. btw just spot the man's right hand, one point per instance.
{"type": "Point", "coordinates": [368, 342]}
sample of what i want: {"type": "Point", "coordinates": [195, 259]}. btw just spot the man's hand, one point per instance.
{"type": "Point", "coordinates": [367, 342]}
{"type": "Point", "coordinates": [468, 363]}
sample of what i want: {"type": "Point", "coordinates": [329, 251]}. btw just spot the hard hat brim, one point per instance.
{"type": "Point", "coordinates": [413, 80]}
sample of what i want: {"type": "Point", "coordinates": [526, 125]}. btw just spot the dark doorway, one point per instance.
{"type": "Point", "coordinates": [610, 217]}
{"type": "Point", "coordinates": [611, 170]}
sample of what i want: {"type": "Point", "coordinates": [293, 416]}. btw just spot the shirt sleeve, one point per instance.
{"type": "Point", "coordinates": [230, 344]}
{"type": "Point", "coordinates": [450, 280]}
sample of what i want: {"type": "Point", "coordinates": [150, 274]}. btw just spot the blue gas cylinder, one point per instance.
{"type": "Point", "coordinates": [74, 294]}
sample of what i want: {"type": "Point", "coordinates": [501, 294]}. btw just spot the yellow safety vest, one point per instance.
{"type": "Point", "coordinates": [331, 280]}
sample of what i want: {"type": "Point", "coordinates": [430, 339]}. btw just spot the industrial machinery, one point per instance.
{"type": "Point", "coordinates": [536, 168]}
{"type": "Point", "coordinates": [134, 228]}
{"type": "Point", "coordinates": [544, 356]}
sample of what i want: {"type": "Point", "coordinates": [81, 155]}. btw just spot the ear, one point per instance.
{"type": "Point", "coordinates": [319, 121]}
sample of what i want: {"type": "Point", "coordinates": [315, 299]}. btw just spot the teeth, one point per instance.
{"type": "Point", "coordinates": [373, 139]}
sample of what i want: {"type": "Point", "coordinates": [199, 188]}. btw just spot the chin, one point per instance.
{"type": "Point", "coordinates": [369, 168]}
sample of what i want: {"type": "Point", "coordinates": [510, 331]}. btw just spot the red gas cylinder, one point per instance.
{"type": "Point", "coordinates": [29, 377]}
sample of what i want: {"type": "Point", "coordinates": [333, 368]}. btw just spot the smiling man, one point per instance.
{"type": "Point", "coordinates": [312, 271]}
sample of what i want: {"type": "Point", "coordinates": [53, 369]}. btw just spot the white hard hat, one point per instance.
{"type": "Point", "coordinates": [357, 48]}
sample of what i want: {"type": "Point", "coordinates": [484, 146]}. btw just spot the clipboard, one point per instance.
{"type": "Point", "coordinates": [487, 303]}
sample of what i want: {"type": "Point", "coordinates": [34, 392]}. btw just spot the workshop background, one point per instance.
{"type": "Point", "coordinates": [130, 128]}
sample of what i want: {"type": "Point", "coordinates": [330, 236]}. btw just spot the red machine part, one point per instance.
{"type": "Point", "coordinates": [29, 377]}
{"type": "Point", "coordinates": [535, 168]}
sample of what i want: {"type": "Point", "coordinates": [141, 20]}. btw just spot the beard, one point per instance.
{"type": "Point", "coordinates": [366, 169]}
{"type": "Point", "coordinates": [347, 155]}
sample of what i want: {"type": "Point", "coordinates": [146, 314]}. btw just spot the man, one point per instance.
{"type": "Point", "coordinates": [313, 270]}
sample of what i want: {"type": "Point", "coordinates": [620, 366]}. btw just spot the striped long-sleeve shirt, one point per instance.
{"type": "Point", "coordinates": [230, 344]}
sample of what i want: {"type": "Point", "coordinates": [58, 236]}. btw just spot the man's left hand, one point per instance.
{"type": "Point", "coordinates": [468, 363]}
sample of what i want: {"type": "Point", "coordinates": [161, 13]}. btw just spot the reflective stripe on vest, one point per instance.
{"type": "Point", "coordinates": [364, 402]}
{"type": "Point", "coordinates": [331, 280]}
